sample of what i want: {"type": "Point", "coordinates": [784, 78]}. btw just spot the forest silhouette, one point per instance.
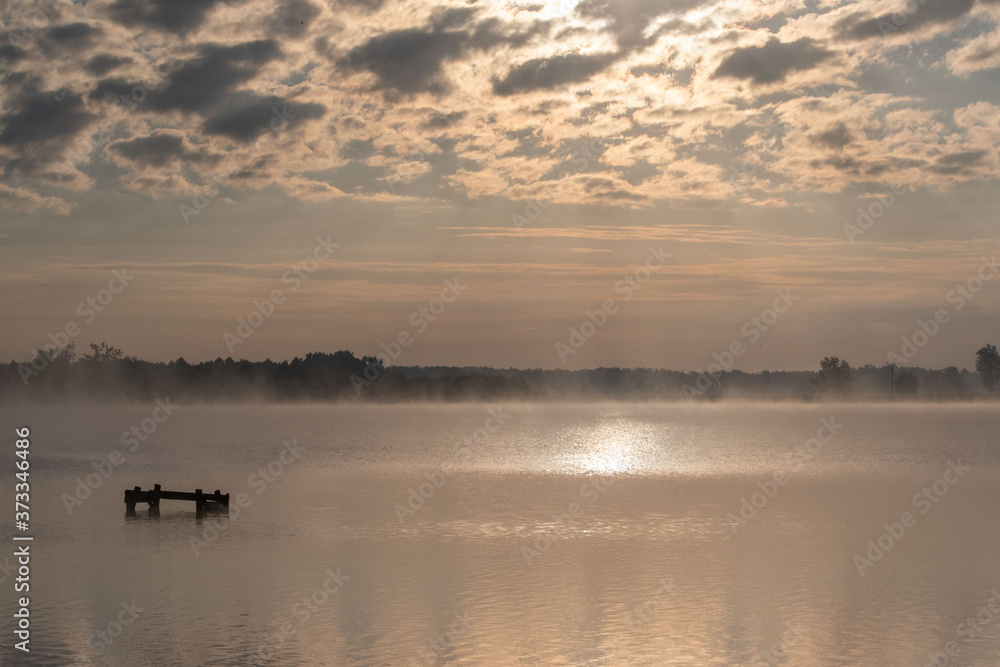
{"type": "Point", "coordinates": [106, 374]}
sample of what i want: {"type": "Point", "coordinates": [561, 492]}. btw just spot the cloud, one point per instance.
{"type": "Point", "coordinates": [26, 201]}
{"type": "Point", "coordinates": [176, 16]}
{"type": "Point", "coordinates": [370, 5]}
{"type": "Point", "coordinates": [201, 82]}
{"type": "Point", "coordinates": [9, 53]}
{"type": "Point", "coordinates": [110, 89]}
{"type": "Point", "coordinates": [915, 16]}
{"type": "Point", "coordinates": [837, 136]}
{"type": "Point", "coordinates": [629, 19]}
{"type": "Point", "coordinates": [773, 61]}
{"type": "Point", "coordinates": [44, 117]}
{"type": "Point", "coordinates": [72, 37]}
{"type": "Point", "coordinates": [440, 121]}
{"type": "Point", "coordinates": [357, 149]}
{"type": "Point", "coordinates": [245, 115]}
{"type": "Point", "coordinates": [157, 150]}
{"type": "Point", "coordinates": [980, 53]}
{"type": "Point", "coordinates": [292, 18]}
{"type": "Point", "coordinates": [410, 60]}
{"type": "Point", "coordinates": [673, 119]}
{"type": "Point", "coordinates": [957, 163]}
{"type": "Point", "coordinates": [553, 72]}
{"type": "Point", "coordinates": [103, 63]}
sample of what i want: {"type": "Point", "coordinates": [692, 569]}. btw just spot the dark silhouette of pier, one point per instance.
{"type": "Point", "coordinates": [204, 502]}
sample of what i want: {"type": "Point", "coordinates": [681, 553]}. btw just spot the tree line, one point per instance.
{"type": "Point", "coordinates": [835, 377]}
{"type": "Point", "coordinates": [106, 374]}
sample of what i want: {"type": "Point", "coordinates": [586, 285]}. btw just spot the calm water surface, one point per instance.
{"type": "Point", "coordinates": [570, 535]}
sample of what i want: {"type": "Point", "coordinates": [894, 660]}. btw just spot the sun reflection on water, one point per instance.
{"type": "Point", "coordinates": [616, 447]}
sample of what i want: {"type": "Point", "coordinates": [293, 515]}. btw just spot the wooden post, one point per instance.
{"type": "Point", "coordinates": [199, 501]}
{"type": "Point", "coordinates": [221, 501]}
{"type": "Point", "coordinates": [130, 501]}
{"type": "Point", "coordinates": [154, 501]}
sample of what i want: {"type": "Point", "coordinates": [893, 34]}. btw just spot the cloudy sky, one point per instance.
{"type": "Point", "coordinates": [535, 152]}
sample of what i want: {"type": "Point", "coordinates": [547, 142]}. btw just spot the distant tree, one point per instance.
{"type": "Point", "coordinates": [907, 384]}
{"type": "Point", "coordinates": [103, 352]}
{"type": "Point", "coordinates": [946, 383]}
{"type": "Point", "coordinates": [988, 366]}
{"type": "Point", "coordinates": [953, 380]}
{"type": "Point", "coordinates": [65, 355]}
{"type": "Point", "coordinates": [377, 362]}
{"type": "Point", "coordinates": [834, 376]}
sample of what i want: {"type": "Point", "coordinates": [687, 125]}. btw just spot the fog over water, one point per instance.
{"type": "Point", "coordinates": [578, 534]}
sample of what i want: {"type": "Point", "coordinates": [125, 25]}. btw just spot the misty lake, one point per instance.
{"type": "Point", "coordinates": [565, 534]}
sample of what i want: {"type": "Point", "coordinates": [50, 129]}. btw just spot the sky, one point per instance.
{"type": "Point", "coordinates": [565, 184]}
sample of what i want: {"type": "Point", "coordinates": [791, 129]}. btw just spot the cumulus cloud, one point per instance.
{"type": "Point", "coordinates": [199, 83]}
{"type": "Point", "coordinates": [553, 72]}
{"type": "Point", "coordinates": [836, 136]}
{"type": "Point", "coordinates": [245, 115]}
{"type": "Point", "coordinates": [157, 150]}
{"type": "Point", "coordinates": [43, 116]}
{"type": "Point", "coordinates": [26, 201]}
{"type": "Point", "coordinates": [629, 20]}
{"type": "Point", "coordinates": [980, 53]}
{"type": "Point", "coordinates": [910, 18]}
{"type": "Point", "coordinates": [176, 16]}
{"type": "Point", "coordinates": [394, 100]}
{"type": "Point", "coordinates": [292, 18]}
{"type": "Point", "coordinates": [411, 60]}
{"type": "Point", "coordinates": [71, 37]}
{"type": "Point", "coordinates": [771, 62]}
{"type": "Point", "coordinates": [103, 63]}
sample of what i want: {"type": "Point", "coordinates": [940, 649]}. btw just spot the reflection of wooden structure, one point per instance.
{"type": "Point", "coordinates": [204, 502]}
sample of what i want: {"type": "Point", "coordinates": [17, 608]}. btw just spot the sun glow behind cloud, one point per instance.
{"type": "Point", "coordinates": [557, 8]}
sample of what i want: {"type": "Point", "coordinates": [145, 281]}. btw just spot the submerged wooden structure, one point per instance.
{"type": "Point", "coordinates": [204, 502]}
